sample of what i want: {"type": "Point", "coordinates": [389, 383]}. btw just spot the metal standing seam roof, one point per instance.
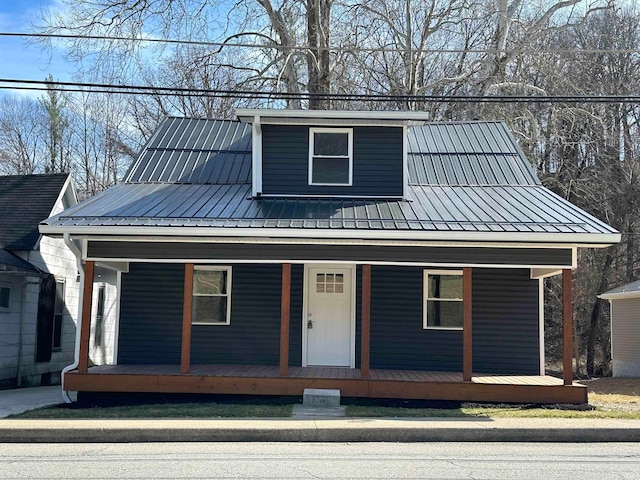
{"type": "Point", "coordinates": [463, 177]}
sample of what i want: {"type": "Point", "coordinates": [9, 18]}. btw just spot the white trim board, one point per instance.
{"type": "Point", "coordinates": [594, 240]}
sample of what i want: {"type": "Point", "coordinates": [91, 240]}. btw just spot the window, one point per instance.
{"type": "Point", "coordinates": [5, 297]}
{"type": "Point", "coordinates": [99, 331]}
{"type": "Point", "coordinates": [330, 156]}
{"type": "Point", "coordinates": [329, 283]}
{"type": "Point", "coordinates": [50, 318]}
{"type": "Point", "coordinates": [211, 296]}
{"type": "Point", "coordinates": [442, 299]}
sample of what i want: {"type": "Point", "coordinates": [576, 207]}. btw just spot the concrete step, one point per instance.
{"type": "Point", "coordinates": [321, 398]}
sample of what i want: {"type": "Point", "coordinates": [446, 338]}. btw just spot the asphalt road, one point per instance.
{"type": "Point", "coordinates": [495, 461]}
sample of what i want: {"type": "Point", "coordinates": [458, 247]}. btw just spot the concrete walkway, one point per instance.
{"type": "Point", "coordinates": [22, 399]}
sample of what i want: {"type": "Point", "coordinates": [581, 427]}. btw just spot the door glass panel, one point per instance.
{"type": "Point", "coordinates": [339, 288]}
{"type": "Point", "coordinates": [339, 278]}
{"type": "Point", "coordinates": [320, 277]}
{"type": "Point", "coordinates": [329, 287]}
{"type": "Point", "coordinates": [320, 288]}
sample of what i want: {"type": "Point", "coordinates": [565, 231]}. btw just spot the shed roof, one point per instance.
{"type": "Point", "coordinates": [625, 291]}
{"type": "Point", "coordinates": [467, 180]}
{"type": "Point", "coordinates": [10, 263]}
{"type": "Point", "coordinates": [26, 200]}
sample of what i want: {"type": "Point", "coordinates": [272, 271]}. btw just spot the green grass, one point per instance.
{"type": "Point", "coordinates": [163, 410]}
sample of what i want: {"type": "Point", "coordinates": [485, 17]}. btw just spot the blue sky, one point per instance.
{"type": "Point", "coordinates": [22, 61]}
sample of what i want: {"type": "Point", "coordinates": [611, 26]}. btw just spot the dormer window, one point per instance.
{"type": "Point", "coordinates": [330, 156]}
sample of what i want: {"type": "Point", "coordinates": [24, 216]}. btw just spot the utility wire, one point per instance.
{"type": "Point", "coordinates": [306, 47]}
{"type": "Point", "coordinates": [41, 85]}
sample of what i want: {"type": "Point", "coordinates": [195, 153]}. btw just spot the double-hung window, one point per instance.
{"type": "Point", "coordinates": [330, 156]}
{"type": "Point", "coordinates": [443, 299]}
{"type": "Point", "coordinates": [5, 298]}
{"type": "Point", "coordinates": [211, 295]}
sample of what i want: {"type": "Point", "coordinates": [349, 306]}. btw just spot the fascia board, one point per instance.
{"type": "Point", "coordinates": [576, 239]}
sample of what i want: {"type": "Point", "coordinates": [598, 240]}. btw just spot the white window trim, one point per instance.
{"type": "Point", "coordinates": [8, 308]}
{"type": "Point", "coordinates": [312, 132]}
{"type": "Point", "coordinates": [215, 268]}
{"type": "Point", "coordinates": [425, 297]}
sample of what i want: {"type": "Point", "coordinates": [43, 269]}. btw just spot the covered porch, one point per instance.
{"type": "Point", "coordinates": [286, 379]}
{"type": "Point", "coordinates": [266, 380]}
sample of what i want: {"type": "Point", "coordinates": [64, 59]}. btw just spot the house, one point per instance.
{"type": "Point", "coordinates": [625, 329]}
{"type": "Point", "coordinates": [370, 252]}
{"type": "Point", "coordinates": [39, 285]}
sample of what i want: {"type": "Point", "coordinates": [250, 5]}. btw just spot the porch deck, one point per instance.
{"type": "Point", "coordinates": [265, 380]}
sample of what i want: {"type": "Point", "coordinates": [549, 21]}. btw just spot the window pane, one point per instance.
{"type": "Point", "coordinates": [330, 170]}
{"type": "Point", "coordinates": [320, 277]}
{"type": "Point", "coordinates": [210, 309]}
{"type": "Point", "coordinates": [319, 287]}
{"type": "Point", "coordinates": [339, 278]}
{"type": "Point", "coordinates": [445, 286]}
{"type": "Point", "coordinates": [210, 282]}
{"type": "Point", "coordinates": [4, 297]}
{"type": "Point", "coordinates": [339, 288]}
{"type": "Point", "coordinates": [444, 314]}
{"type": "Point", "coordinates": [57, 331]}
{"type": "Point", "coordinates": [329, 288]}
{"type": "Point", "coordinates": [330, 144]}
{"type": "Point", "coordinates": [59, 298]}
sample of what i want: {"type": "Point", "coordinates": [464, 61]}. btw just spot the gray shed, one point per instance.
{"type": "Point", "coordinates": [625, 329]}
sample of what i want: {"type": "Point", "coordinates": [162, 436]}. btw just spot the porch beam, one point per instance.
{"type": "Point", "coordinates": [467, 332]}
{"type": "Point", "coordinates": [285, 314]}
{"type": "Point", "coordinates": [187, 309]}
{"type": "Point", "coordinates": [365, 334]}
{"type": "Point", "coordinates": [85, 320]}
{"type": "Point", "coordinates": [567, 327]}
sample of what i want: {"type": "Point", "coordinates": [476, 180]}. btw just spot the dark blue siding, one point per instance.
{"type": "Point", "coordinates": [253, 336]}
{"type": "Point", "coordinates": [377, 162]}
{"type": "Point", "coordinates": [505, 320]}
{"type": "Point", "coordinates": [151, 314]}
{"type": "Point", "coordinates": [506, 335]}
{"type": "Point", "coordinates": [505, 323]}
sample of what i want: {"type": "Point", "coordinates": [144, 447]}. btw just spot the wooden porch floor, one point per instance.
{"type": "Point", "coordinates": [265, 380]}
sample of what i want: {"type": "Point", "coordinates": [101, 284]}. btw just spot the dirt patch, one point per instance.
{"type": "Point", "coordinates": [613, 386]}
{"type": "Point", "coordinates": [614, 394]}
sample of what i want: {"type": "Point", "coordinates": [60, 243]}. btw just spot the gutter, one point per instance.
{"type": "Point", "coordinates": [76, 355]}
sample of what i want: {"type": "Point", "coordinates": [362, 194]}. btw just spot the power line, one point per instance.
{"type": "Point", "coordinates": [84, 87]}
{"type": "Point", "coordinates": [305, 48]}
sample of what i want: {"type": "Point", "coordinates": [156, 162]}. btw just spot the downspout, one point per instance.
{"type": "Point", "coordinates": [76, 355]}
{"type": "Point", "coordinates": [25, 284]}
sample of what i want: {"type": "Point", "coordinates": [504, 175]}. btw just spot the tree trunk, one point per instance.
{"type": "Point", "coordinates": [595, 316]}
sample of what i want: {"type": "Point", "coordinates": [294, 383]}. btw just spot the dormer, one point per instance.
{"type": "Point", "coordinates": [313, 153]}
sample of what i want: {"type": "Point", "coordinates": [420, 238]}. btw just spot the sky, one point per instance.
{"type": "Point", "coordinates": [22, 61]}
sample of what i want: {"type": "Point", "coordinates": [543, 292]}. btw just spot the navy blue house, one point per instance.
{"type": "Point", "coordinates": [367, 251]}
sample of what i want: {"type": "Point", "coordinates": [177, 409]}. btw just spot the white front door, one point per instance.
{"type": "Point", "coordinates": [329, 317]}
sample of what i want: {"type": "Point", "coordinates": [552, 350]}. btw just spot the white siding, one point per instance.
{"type": "Point", "coordinates": [625, 337]}
{"type": "Point", "coordinates": [104, 354]}
{"type": "Point", "coordinates": [52, 256]}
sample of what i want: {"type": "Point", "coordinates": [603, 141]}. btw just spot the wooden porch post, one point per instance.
{"type": "Point", "coordinates": [85, 321]}
{"type": "Point", "coordinates": [285, 313]}
{"type": "Point", "coordinates": [365, 333]}
{"type": "Point", "coordinates": [467, 332]}
{"type": "Point", "coordinates": [187, 308]}
{"type": "Point", "coordinates": [567, 327]}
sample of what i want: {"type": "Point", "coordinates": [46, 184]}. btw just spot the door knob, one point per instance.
{"type": "Point", "coordinates": [309, 324]}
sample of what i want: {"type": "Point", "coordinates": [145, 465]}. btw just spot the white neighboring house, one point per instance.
{"type": "Point", "coordinates": [625, 329]}
{"type": "Point", "coordinates": [39, 286]}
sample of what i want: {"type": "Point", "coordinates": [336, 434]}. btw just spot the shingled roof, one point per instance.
{"type": "Point", "coordinates": [467, 181]}
{"type": "Point", "coordinates": [26, 200]}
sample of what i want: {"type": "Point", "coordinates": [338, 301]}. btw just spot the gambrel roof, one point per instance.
{"type": "Point", "coordinates": [468, 181]}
